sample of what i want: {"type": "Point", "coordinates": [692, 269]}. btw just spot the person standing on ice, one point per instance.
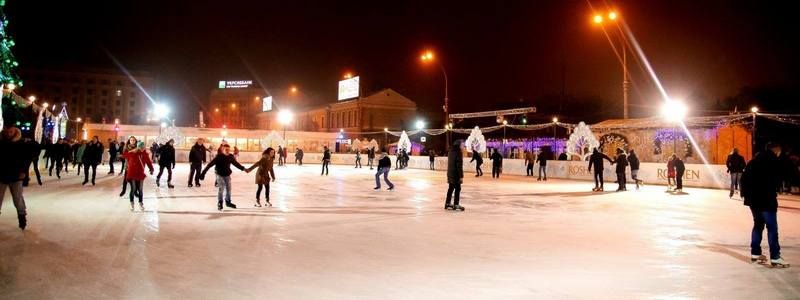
{"type": "Point", "coordinates": [166, 160]}
{"type": "Point", "coordinates": [530, 159]}
{"type": "Point", "coordinates": [371, 157]}
{"type": "Point", "coordinates": [91, 158]}
{"type": "Point", "coordinates": [112, 155]}
{"type": "Point", "coordinates": [13, 170]}
{"type": "Point", "coordinates": [222, 165]}
{"type": "Point", "coordinates": [280, 155]}
{"type": "Point", "coordinates": [622, 162]}
{"type": "Point", "coordinates": [137, 159]}
{"type": "Point", "coordinates": [79, 156]}
{"type": "Point", "coordinates": [497, 163]}
{"type": "Point", "coordinates": [476, 157]}
{"type": "Point", "coordinates": [398, 162]}
{"type": "Point", "coordinates": [384, 166]}
{"type": "Point", "coordinates": [736, 165]}
{"type": "Point", "coordinates": [758, 190]}
{"type": "Point", "coordinates": [542, 159]}
{"type": "Point", "coordinates": [66, 149]}
{"type": "Point", "coordinates": [197, 156]}
{"type": "Point", "coordinates": [671, 172]}
{"type": "Point", "coordinates": [298, 157]}
{"type": "Point", "coordinates": [680, 169]}
{"type": "Point", "coordinates": [634, 162]}
{"type": "Point", "coordinates": [596, 161]}
{"type": "Point", "coordinates": [129, 146]}
{"type": "Point", "coordinates": [358, 158]}
{"type": "Point", "coordinates": [33, 149]}
{"type": "Point", "coordinates": [431, 158]}
{"type": "Point", "coordinates": [326, 160]}
{"type": "Point", "coordinates": [264, 175]}
{"type": "Point", "coordinates": [56, 157]}
{"type": "Point", "coordinates": [455, 176]}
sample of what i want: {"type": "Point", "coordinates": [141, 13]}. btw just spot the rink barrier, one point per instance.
{"type": "Point", "coordinates": [697, 175]}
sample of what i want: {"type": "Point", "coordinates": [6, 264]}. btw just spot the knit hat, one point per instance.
{"type": "Point", "coordinates": [140, 145]}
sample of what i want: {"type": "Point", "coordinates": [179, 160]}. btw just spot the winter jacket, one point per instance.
{"type": "Point", "coordinates": [759, 182]}
{"type": "Point", "coordinates": [542, 159]}
{"type": "Point", "coordinates": [136, 161]}
{"type": "Point", "coordinates": [298, 154]}
{"type": "Point", "coordinates": [371, 153]}
{"type": "Point", "coordinates": [431, 156]}
{"type": "Point", "coordinates": [596, 161]}
{"type": "Point", "coordinates": [166, 156]}
{"type": "Point", "coordinates": [497, 159]}
{"type": "Point", "coordinates": [671, 169]}
{"type": "Point", "coordinates": [265, 171]}
{"type": "Point", "coordinates": [326, 156]}
{"type": "Point", "coordinates": [530, 158]}
{"type": "Point", "coordinates": [634, 161]}
{"type": "Point", "coordinates": [79, 153]}
{"type": "Point", "coordinates": [93, 153]}
{"type": "Point", "coordinates": [455, 164]}
{"type": "Point", "coordinates": [222, 165]}
{"type": "Point", "coordinates": [66, 150]}
{"type": "Point", "coordinates": [112, 150]}
{"type": "Point", "coordinates": [679, 167]}
{"type": "Point", "coordinates": [33, 149]}
{"type": "Point", "coordinates": [735, 163]}
{"type": "Point", "coordinates": [13, 158]}
{"type": "Point", "coordinates": [56, 151]}
{"type": "Point", "coordinates": [622, 163]}
{"type": "Point", "coordinates": [476, 157]}
{"type": "Point", "coordinates": [197, 154]}
{"type": "Point", "coordinates": [384, 162]}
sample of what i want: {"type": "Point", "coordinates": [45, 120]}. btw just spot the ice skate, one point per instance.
{"type": "Point", "coordinates": [377, 188]}
{"type": "Point", "coordinates": [219, 206]}
{"type": "Point", "coordinates": [158, 184]}
{"type": "Point", "coordinates": [258, 203]}
{"type": "Point", "coordinates": [23, 221]}
{"type": "Point", "coordinates": [779, 263]}
{"type": "Point", "coordinates": [267, 203]}
{"type": "Point", "coordinates": [730, 195]}
{"type": "Point", "coordinates": [458, 207]}
{"type": "Point", "coordinates": [131, 206]}
{"type": "Point", "coordinates": [390, 188]}
{"type": "Point", "coordinates": [596, 189]}
{"type": "Point", "coordinates": [230, 204]}
{"type": "Point", "coordinates": [169, 185]}
{"type": "Point", "coordinates": [760, 259]}
{"type": "Point", "coordinates": [448, 206]}
{"type": "Point", "coordinates": [141, 206]}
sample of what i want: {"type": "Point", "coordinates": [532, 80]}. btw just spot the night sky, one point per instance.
{"type": "Point", "coordinates": [497, 54]}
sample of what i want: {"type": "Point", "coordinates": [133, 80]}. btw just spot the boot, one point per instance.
{"type": "Point", "coordinates": [730, 195]}
{"type": "Point", "coordinates": [219, 206]}
{"type": "Point", "coordinates": [23, 221]}
{"type": "Point", "coordinates": [230, 204]}
{"type": "Point", "coordinates": [258, 203]}
{"type": "Point", "coordinates": [158, 182]}
{"type": "Point", "coordinates": [169, 185]}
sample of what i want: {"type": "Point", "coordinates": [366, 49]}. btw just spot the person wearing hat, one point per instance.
{"type": "Point", "coordinates": [758, 184]}
{"type": "Point", "coordinates": [166, 160]}
{"type": "Point", "coordinates": [13, 170]}
{"type": "Point", "coordinates": [137, 159]}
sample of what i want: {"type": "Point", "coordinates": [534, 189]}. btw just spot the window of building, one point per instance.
{"type": "Point", "coordinates": [132, 103]}
{"type": "Point", "coordinates": [133, 95]}
{"type": "Point", "coordinates": [119, 93]}
{"type": "Point", "coordinates": [116, 112]}
{"type": "Point", "coordinates": [104, 92]}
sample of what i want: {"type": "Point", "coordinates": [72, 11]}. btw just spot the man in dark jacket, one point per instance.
{"type": "Point", "coordinates": [596, 161]}
{"type": "Point", "coordinates": [280, 155]}
{"type": "Point", "coordinates": [371, 157]}
{"type": "Point", "coordinates": [197, 156]}
{"type": "Point", "coordinates": [34, 150]}
{"type": "Point", "coordinates": [56, 155]}
{"type": "Point", "coordinates": [622, 163]}
{"type": "Point", "coordinates": [112, 154]}
{"type": "Point", "coordinates": [326, 160]}
{"type": "Point", "coordinates": [166, 160]}
{"type": "Point", "coordinates": [298, 157]}
{"type": "Point", "coordinates": [222, 166]}
{"type": "Point", "coordinates": [13, 159]}
{"type": "Point", "coordinates": [455, 176]}
{"type": "Point", "coordinates": [634, 162]}
{"type": "Point", "coordinates": [758, 190]}
{"type": "Point", "coordinates": [544, 155]}
{"type": "Point", "coordinates": [431, 158]}
{"type": "Point", "coordinates": [91, 158]}
{"type": "Point", "coordinates": [66, 149]}
{"type": "Point", "coordinates": [384, 166]}
{"type": "Point", "coordinates": [735, 164]}
{"type": "Point", "coordinates": [497, 163]}
{"type": "Point", "coordinates": [680, 169]}
{"type": "Point", "coordinates": [476, 157]}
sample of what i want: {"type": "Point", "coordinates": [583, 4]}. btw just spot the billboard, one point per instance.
{"type": "Point", "coordinates": [234, 84]}
{"type": "Point", "coordinates": [266, 103]}
{"type": "Point", "coordinates": [348, 88]}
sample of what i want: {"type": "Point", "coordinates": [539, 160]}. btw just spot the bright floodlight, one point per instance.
{"type": "Point", "coordinates": [754, 109]}
{"type": "Point", "coordinates": [598, 19]}
{"type": "Point", "coordinates": [285, 116]}
{"type": "Point", "coordinates": [674, 110]}
{"type": "Point", "coordinates": [420, 124]}
{"type": "Point", "coordinates": [612, 16]}
{"type": "Point", "coordinates": [163, 124]}
{"type": "Point", "coordinates": [32, 98]}
{"type": "Point", "coordinates": [161, 110]}
{"type": "Point", "coordinates": [555, 120]}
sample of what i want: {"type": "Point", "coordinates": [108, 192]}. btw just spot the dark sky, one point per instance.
{"type": "Point", "coordinates": [495, 53]}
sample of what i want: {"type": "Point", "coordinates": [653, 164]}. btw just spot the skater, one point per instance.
{"type": "Point", "coordinates": [79, 156]}
{"type": "Point", "coordinates": [112, 155]}
{"type": "Point", "coordinates": [33, 150]}
{"type": "Point", "coordinates": [634, 162]}
{"type": "Point", "coordinates": [56, 157]}
{"type": "Point", "coordinates": [384, 166]}
{"type": "Point", "coordinates": [455, 176]}
{"type": "Point", "coordinates": [371, 157]}
{"type": "Point", "coordinates": [622, 162]}
{"type": "Point", "coordinates": [542, 159]}
{"type": "Point", "coordinates": [236, 152]}
{"type": "Point", "coordinates": [264, 175]}
{"type": "Point", "coordinates": [596, 161]}
{"type": "Point", "coordinates": [298, 157]}
{"type": "Point", "coordinates": [358, 158]}
{"type": "Point", "coordinates": [431, 158]}
{"type": "Point", "coordinates": [758, 190]}
{"type": "Point", "coordinates": [736, 165]}
{"type": "Point", "coordinates": [197, 157]}
{"type": "Point", "coordinates": [406, 158]}
{"type": "Point", "coordinates": [166, 160]}
{"type": "Point", "coordinates": [47, 146]}
{"type": "Point", "coordinates": [285, 154]}
{"type": "Point", "coordinates": [154, 152]}
{"type": "Point", "coordinates": [129, 146]}
{"type": "Point", "coordinates": [91, 158]}
{"type": "Point", "coordinates": [66, 149]}
{"type": "Point", "coordinates": [222, 166]}
{"type": "Point", "coordinates": [530, 159]}
{"type": "Point", "coordinates": [398, 161]}
{"type": "Point", "coordinates": [497, 163]}
{"type": "Point", "coordinates": [74, 149]}
{"type": "Point", "coordinates": [326, 160]}
{"type": "Point", "coordinates": [563, 155]}
{"type": "Point", "coordinates": [476, 157]}
{"type": "Point", "coordinates": [280, 156]}
{"type": "Point", "coordinates": [679, 170]}
{"type": "Point", "coordinates": [671, 173]}
{"type": "Point", "coordinates": [137, 159]}
{"type": "Point", "coordinates": [13, 158]}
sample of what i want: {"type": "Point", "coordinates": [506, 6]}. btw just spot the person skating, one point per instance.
{"type": "Point", "coordinates": [298, 157]}
{"type": "Point", "coordinates": [79, 156]}
{"type": "Point", "coordinates": [66, 149]}
{"type": "Point", "coordinates": [358, 158]}
{"type": "Point", "coordinates": [222, 166]}
{"type": "Point", "coordinates": [121, 149]}
{"type": "Point", "coordinates": [166, 160]}
{"type": "Point", "coordinates": [455, 176]}
{"type": "Point", "coordinates": [91, 158]}
{"type": "Point", "coordinates": [542, 160]}
{"type": "Point", "coordinates": [431, 158]}
{"type": "Point", "coordinates": [154, 152]}
{"type": "Point", "coordinates": [758, 190]}
{"type": "Point", "coordinates": [13, 157]}
{"type": "Point", "coordinates": [530, 160]}
{"type": "Point", "coordinates": [264, 175]}
{"type": "Point", "coordinates": [633, 160]}
{"type": "Point", "coordinates": [280, 156]}
{"type": "Point", "coordinates": [74, 148]}
{"type": "Point", "coordinates": [112, 154]}
{"type": "Point", "coordinates": [497, 163]}
{"type": "Point", "coordinates": [476, 157]}
{"type": "Point", "coordinates": [47, 146]}
{"type": "Point", "coordinates": [137, 159]}
{"type": "Point", "coordinates": [56, 155]}
{"type": "Point", "coordinates": [34, 150]}
{"type": "Point", "coordinates": [736, 165]}
{"type": "Point", "coordinates": [197, 157]}
{"type": "Point", "coordinates": [129, 146]}
{"type": "Point", "coordinates": [680, 168]}
{"type": "Point", "coordinates": [622, 162]}
{"type": "Point", "coordinates": [671, 173]}
{"type": "Point", "coordinates": [398, 161]}
{"type": "Point", "coordinates": [596, 161]}
{"type": "Point", "coordinates": [371, 157]}
{"type": "Point", "coordinates": [326, 160]}
{"type": "Point", "coordinates": [384, 166]}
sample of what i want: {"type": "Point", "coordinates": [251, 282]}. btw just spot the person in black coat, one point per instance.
{"type": "Point", "coordinates": [222, 165]}
{"type": "Point", "coordinates": [758, 190]}
{"type": "Point", "coordinates": [455, 176]}
{"type": "Point", "coordinates": [634, 162]}
{"type": "Point", "coordinates": [74, 150]}
{"type": "Point", "coordinates": [112, 154]}
{"type": "Point", "coordinates": [66, 149]}
{"type": "Point", "coordinates": [596, 161]}
{"type": "Point", "coordinates": [384, 166]}
{"type": "Point", "coordinates": [326, 160]}
{"type": "Point", "coordinates": [735, 164]}
{"type": "Point", "coordinates": [497, 163]}
{"type": "Point", "coordinates": [431, 158]}
{"type": "Point", "coordinates": [56, 155]}
{"type": "Point", "coordinates": [476, 157]}
{"type": "Point", "coordinates": [371, 157]}
{"type": "Point", "coordinates": [680, 169]}
{"type": "Point", "coordinates": [34, 150]}
{"type": "Point", "coordinates": [166, 160]}
{"type": "Point", "coordinates": [622, 162]}
{"type": "Point", "coordinates": [13, 158]}
{"type": "Point", "coordinates": [91, 158]}
{"type": "Point", "coordinates": [544, 155]}
{"type": "Point", "coordinates": [197, 156]}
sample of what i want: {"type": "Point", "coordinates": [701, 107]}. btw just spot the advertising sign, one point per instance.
{"type": "Point", "coordinates": [234, 84]}
{"type": "Point", "coordinates": [266, 103]}
{"type": "Point", "coordinates": [348, 88]}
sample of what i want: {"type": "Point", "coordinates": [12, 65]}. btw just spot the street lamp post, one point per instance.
{"type": "Point", "coordinates": [674, 111]}
{"type": "Point", "coordinates": [428, 57]}
{"type": "Point", "coordinates": [598, 19]}
{"type": "Point", "coordinates": [285, 117]}
{"type": "Point", "coordinates": [386, 138]}
{"type": "Point", "coordinates": [555, 127]}
{"type": "Point", "coordinates": [754, 111]}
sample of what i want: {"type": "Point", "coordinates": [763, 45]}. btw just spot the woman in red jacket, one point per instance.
{"type": "Point", "coordinates": [136, 160]}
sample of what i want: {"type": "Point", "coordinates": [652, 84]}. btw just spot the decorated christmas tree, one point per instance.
{"type": "Point", "coordinates": [8, 74]}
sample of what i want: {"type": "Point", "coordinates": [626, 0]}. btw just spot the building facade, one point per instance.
{"type": "Point", "coordinates": [94, 95]}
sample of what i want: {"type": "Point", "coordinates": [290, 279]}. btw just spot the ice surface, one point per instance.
{"type": "Point", "coordinates": [334, 237]}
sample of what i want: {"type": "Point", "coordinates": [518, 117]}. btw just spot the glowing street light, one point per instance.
{"type": "Point", "coordinates": [348, 75]}
{"type": "Point", "coordinates": [598, 19]}
{"type": "Point", "coordinates": [233, 105]}
{"type": "Point", "coordinates": [555, 119]}
{"type": "Point", "coordinates": [613, 16]}
{"type": "Point", "coordinates": [427, 57]}
{"type": "Point", "coordinates": [45, 105]}
{"type": "Point", "coordinates": [674, 110]}
{"type": "Point", "coordinates": [32, 98]}
{"type": "Point", "coordinates": [79, 120]}
{"type": "Point", "coordinates": [293, 90]}
{"type": "Point", "coordinates": [285, 117]}
{"type": "Point", "coordinates": [754, 109]}
{"type": "Point", "coordinates": [420, 124]}
{"type": "Point", "coordinates": [161, 110]}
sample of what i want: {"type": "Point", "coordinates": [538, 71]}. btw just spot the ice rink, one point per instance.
{"type": "Point", "coordinates": [335, 237]}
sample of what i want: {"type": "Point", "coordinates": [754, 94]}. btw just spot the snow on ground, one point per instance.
{"type": "Point", "coordinates": [334, 237]}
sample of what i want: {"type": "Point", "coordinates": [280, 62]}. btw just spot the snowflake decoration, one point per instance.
{"type": "Point", "coordinates": [476, 141]}
{"type": "Point", "coordinates": [582, 141]}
